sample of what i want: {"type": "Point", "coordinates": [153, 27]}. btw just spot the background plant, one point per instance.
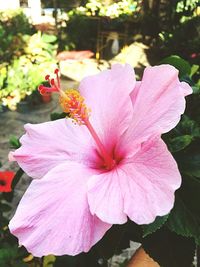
{"type": "Point", "coordinates": [23, 75]}
{"type": "Point", "coordinates": [13, 25]}
{"type": "Point", "coordinates": [84, 21]}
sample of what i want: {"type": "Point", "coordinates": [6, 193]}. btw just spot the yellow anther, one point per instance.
{"type": "Point", "coordinates": [73, 103]}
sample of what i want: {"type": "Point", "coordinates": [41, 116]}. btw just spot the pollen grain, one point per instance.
{"type": "Point", "coordinates": [74, 104]}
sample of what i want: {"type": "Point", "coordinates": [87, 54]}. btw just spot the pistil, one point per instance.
{"type": "Point", "coordinates": [73, 103]}
{"type": "Point", "coordinates": [109, 162]}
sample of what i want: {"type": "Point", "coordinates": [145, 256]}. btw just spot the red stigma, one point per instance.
{"type": "Point", "coordinates": [52, 82]}
{"type": "Point", "coordinates": [47, 77]}
{"type": "Point", "coordinates": [54, 86]}
{"type": "Point", "coordinates": [41, 89]}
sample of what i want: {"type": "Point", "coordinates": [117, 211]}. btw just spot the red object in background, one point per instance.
{"type": "Point", "coordinates": [195, 55]}
{"type": "Point", "coordinates": [6, 178]}
{"type": "Point", "coordinates": [76, 55]}
{"type": "Point", "coordinates": [46, 98]}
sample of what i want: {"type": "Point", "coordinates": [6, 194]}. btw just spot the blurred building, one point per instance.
{"type": "Point", "coordinates": [9, 4]}
{"type": "Point", "coordinates": [32, 8]}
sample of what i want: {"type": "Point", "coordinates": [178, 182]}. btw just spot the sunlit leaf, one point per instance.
{"type": "Point", "coordinates": [182, 65]}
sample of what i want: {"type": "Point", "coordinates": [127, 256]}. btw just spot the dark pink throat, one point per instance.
{"type": "Point", "coordinates": [108, 161]}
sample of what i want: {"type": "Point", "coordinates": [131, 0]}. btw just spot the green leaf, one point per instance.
{"type": "Point", "coordinates": [14, 142]}
{"type": "Point", "coordinates": [48, 261]}
{"type": "Point", "coordinates": [194, 70]}
{"type": "Point", "coordinates": [196, 89]}
{"type": "Point", "coordinates": [7, 254]}
{"type": "Point", "coordinates": [154, 226]}
{"type": "Point", "coordinates": [170, 249]}
{"type": "Point", "coordinates": [189, 164]}
{"type": "Point", "coordinates": [183, 221]}
{"type": "Point", "coordinates": [188, 126]}
{"type": "Point", "coordinates": [57, 116]}
{"type": "Point", "coordinates": [49, 38]}
{"type": "Point", "coordinates": [182, 65]}
{"type": "Point", "coordinates": [179, 143]}
{"type": "Point", "coordinates": [184, 218]}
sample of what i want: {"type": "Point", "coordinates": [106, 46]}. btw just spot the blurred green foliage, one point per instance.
{"type": "Point", "coordinates": [85, 21]}
{"type": "Point", "coordinates": [25, 57]}
{"type": "Point", "coordinates": [113, 9]}
{"type": "Point", "coordinates": [172, 27]}
{"type": "Point", "coordinates": [13, 25]}
{"type": "Point", "coordinates": [182, 40]}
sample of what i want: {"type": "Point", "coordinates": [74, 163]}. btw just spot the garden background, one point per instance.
{"type": "Point", "coordinates": [83, 38]}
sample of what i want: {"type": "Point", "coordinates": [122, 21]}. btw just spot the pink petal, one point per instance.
{"type": "Point", "coordinates": [149, 182]}
{"type": "Point", "coordinates": [158, 105]}
{"type": "Point", "coordinates": [105, 197]}
{"type": "Point", "coordinates": [48, 144]}
{"type": "Point", "coordinates": [186, 89]}
{"type": "Point", "coordinates": [53, 216]}
{"type": "Point", "coordinates": [135, 91]}
{"type": "Point", "coordinates": [107, 94]}
{"type": "Point", "coordinates": [141, 188]}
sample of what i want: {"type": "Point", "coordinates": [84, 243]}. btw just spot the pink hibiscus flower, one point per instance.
{"type": "Point", "coordinates": [102, 166]}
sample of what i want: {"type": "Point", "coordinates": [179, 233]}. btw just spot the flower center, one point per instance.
{"type": "Point", "coordinates": [73, 103]}
{"type": "Point", "coordinates": [2, 182]}
{"type": "Point", "coordinates": [108, 160]}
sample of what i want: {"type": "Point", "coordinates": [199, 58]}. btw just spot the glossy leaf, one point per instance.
{"type": "Point", "coordinates": [153, 227]}
{"type": "Point", "coordinates": [184, 219]}
{"type": "Point", "coordinates": [179, 143]}
{"type": "Point", "coordinates": [182, 65]}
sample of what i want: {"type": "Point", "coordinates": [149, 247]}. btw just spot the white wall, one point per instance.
{"type": "Point", "coordinates": [35, 9]}
{"type": "Point", "coordinates": [9, 4]}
